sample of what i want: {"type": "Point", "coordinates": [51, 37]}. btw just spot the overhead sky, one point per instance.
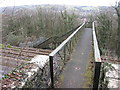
{"type": "Point", "coordinates": [4, 3]}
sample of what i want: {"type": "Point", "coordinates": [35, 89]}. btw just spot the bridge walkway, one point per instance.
{"type": "Point", "coordinates": [73, 75]}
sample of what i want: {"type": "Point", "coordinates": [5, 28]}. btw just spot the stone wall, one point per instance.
{"type": "Point", "coordinates": [40, 78]}
{"type": "Point", "coordinates": [33, 74]}
{"type": "Point", "coordinates": [113, 76]}
{"type": "Point", "coordinates": [110, 75]}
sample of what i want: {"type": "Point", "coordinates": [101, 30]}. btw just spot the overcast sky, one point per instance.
{"type": "Point", "coordinates": [63, 2]}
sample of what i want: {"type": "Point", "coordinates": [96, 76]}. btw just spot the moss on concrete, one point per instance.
{"type": "Point", "coordinates": [89, 72]}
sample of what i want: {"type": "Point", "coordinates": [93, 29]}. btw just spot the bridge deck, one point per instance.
{"type": "Point", "coordinates": [73, 75]}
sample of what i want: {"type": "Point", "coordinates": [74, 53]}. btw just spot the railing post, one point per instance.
{"type": "Point", "coordinates": [64, 54]}
{"type": "Point", "coordinates": [96, 75]}
{"type": "Point", "coordinates": [51, 71]}
{"type": "Point", "coordinates": [75, 38]}
{"type": "Point", "coordinates": [70, 46]}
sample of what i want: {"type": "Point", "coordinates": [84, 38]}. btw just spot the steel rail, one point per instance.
{"type": "Point", "coordinates": [96, 49]}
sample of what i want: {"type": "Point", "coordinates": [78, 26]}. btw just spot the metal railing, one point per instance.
{"type": "Point", "coordinates": [63, 50]}
{"type": "Point", "coordinates": [54, 40]}
{"type": "Point", "coordinates": [97, 62]}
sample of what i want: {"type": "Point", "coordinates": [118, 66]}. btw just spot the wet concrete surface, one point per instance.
{"type": "Point", "coordinates": [75, 69]}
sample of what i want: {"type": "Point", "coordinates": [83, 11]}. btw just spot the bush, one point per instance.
{"type": "Point", "coordinates": [14, 40]}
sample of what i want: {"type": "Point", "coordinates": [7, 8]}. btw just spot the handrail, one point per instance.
{"type": "Point", "coordinates": [64, 36]}
{"type": "Point", "coordinates": [42, 44]}
{"type": "Point", "coordinates": [96, 49]}
{"type": "Point", "coordinates": [65, 41]}
{"type": "Point", "coordinates": [71, 31]}
{"type": "Point", "coordinates": [55, 39]}
{"type": "Point", "coordinates": [54, 52]}
{"type": "Point", "coordinates": [97, 63]}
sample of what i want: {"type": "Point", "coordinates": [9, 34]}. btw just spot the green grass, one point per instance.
{"type": "Point", "coordinates": [59, 80]}
{"type": "Point", "coordinates": [2, 46]}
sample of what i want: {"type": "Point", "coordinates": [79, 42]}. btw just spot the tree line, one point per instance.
{"type": "Point", "coordinates": [40, 22]}
{"type": "Point", "coordinates": [108, 30]}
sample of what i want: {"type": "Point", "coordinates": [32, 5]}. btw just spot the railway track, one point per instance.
{"type": "Point", "coordinates": [12, 57]}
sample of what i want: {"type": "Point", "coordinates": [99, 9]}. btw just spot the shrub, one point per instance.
{"type": "Point", "coordinates": [14, 40]}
